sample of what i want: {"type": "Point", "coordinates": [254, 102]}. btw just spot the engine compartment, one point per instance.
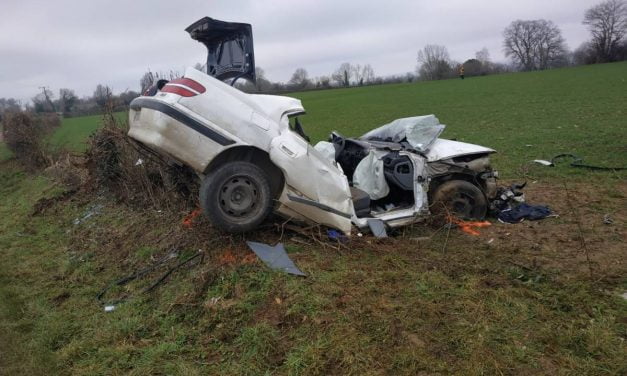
{"type": "Point", "coordinates": [399, 172]}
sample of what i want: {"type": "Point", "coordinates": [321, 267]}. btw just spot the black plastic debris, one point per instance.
{"type": "Point", "coordinates": [275, 257]}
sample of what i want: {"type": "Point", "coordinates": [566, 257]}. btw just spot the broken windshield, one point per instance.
{"type": "Point", "coordinates": [419, 131]}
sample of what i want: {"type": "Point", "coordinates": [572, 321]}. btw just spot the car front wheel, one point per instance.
{"type": "Point", "coordinates": [236, 196]}
{"type": "Point", "coordinates": [460, 198]}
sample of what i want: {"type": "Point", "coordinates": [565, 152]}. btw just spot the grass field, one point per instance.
{"type": "Point", "coordinates": [533, 298]}
{"type": "Point", "coordinates": [5, 153]}
{"type": "Point", "coordinates": [524, 116]}
{"type": "Point", "coordinates": [74, 132]}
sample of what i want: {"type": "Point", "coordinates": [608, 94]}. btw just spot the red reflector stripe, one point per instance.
{"type": "Point", "coordinates": [190, 83]}
{"type": "Point", "coordinates": [178, 90]}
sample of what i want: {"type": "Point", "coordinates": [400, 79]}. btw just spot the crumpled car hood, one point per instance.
{"type": "Point", "coordinates": [446, 149]}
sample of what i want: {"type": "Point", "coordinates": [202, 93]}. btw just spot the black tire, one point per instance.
{"type": "Point", "coordinates": [460, 198]}
{"type": "Point", "coordinates": [236, 196]}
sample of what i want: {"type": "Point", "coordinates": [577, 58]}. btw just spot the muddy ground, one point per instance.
{"type": "Point", "coordinates": [586, 240]}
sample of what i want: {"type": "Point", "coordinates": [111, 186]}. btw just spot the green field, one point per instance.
{"type": "Point", "coordinates": [5, 153]}
{"type": "Point", "coordinates": [532, 298]}
{"type": "Point", "coordinates": [524, 116]}
{"type": "Point", "coordinates": [74, 132]}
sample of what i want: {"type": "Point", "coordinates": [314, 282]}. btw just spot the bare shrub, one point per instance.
{"type": "Point", "coordinates": [135, 175]}
{"type": "Point", "coordinates": [69, 171]}
{"type": "Point", "coordinates": [25, 133]}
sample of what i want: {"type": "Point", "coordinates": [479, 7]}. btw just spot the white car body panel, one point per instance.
{"type": "Point", "coordinates": [315, 187]}
{"type": "Point", "coordinates": [445, 149]}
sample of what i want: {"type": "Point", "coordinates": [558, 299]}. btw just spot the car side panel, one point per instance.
{"type": "Point", "coordinates": [230, 110]}
{"type": "Point", "coordinates": [175, 132]}
{"type": "Point", "coordinates": [315, 188]}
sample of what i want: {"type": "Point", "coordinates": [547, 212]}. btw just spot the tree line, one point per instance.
{"type": "Point", "coordinates": [538, 45]}
{"type": "Point", "coordinates": [528, 44]}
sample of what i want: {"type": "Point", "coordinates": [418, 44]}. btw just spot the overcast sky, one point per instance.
{"type": "Point", "coordinates": [78, 44]}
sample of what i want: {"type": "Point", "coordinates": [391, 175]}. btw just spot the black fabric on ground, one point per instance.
{"type": "Point", "coordinates": [524, 211]}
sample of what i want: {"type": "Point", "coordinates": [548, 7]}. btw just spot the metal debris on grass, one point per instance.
{"type": "Point", "coordinates": [377, 227]}
{"type": "Point", "coordinates": [91, 211]}
{"type": "Point", "coordinates": [275, 257]}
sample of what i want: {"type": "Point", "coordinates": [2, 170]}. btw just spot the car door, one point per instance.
{"type": "Point", "coordinates": [315, 187]}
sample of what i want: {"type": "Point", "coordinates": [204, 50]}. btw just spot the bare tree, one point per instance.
{"type": "Point", "coordinates": [324, 81]}
{"type": "Point", "coordinates": [433, 62]}
{"type": "Point", "coordinates": [67, 100]}
{"type": "Point", "coordinates": [300, 79]}
{"type": "Point", "coordinates": [535, 44]}
{"type": "Point", "coordinates": [343, 75]}
{"type": "Point", "coordinates": [483, 56]}
{"type": "Point", "coordinates": [146, 81]}
{"type": "Point", "coordinates": [367, 74]}
{"type": "Point", "coordinates": [102, 95]}
{"type": "Point", "coordinates": [262, 84]}
{"type": "Point", "coordinates": [9, 104]}
{"type": "Point", "coordinates": [607, 22]}
{"type": "Point", "coordinates": [201, 67]}
{"type": "Point", "coordinates": [47, 96]}
{"type": "Point", "coordinates": [356, 73]}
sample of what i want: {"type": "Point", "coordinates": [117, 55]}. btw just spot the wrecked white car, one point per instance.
{"type": "Point", "coordinates": [253, 156]}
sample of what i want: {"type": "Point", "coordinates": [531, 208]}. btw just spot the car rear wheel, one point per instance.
{"type": "Point", "coordinates": [460, 198]}
{"type": "Point", "coordinates": [236, 196]}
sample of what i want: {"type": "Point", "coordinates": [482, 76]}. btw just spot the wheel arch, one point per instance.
{"type": "Point", "coordinates": [441, 179]}
{"type": "Point", "coordinates": [251, 154]}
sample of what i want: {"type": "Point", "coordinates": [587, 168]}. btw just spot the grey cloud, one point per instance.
{"type": "Point", "coordinates": [78, 44]}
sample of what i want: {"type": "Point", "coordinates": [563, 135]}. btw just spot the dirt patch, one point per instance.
{"type": "Point", "coordinates": [578, 242]}
{"type": "Point", "coordinates": [45, 203]}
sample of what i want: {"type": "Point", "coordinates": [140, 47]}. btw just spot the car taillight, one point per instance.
{"type": "Point", "coordinates": [184, 87]}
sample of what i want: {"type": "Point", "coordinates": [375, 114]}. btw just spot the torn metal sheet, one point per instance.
{"type": "Point", "coordinates": [544, 162]}
{"type": "Point", "coordinates": [275, 257]}
{"type": "Point", "coordinates": [377, 227]}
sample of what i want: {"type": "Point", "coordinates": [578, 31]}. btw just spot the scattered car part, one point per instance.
{"type": "Point", "coordinates": [543, 162]}
{"type": "Point", "coordinates": [230, 52]}
{"type": "Point", "coordinates": [275, 257]}
{"type": "Point", "coordinates": [143, 272]}
{"type": "Point", "coordinates": [578, 162]}
{"type": "Point", "coordinates": [377, 227]}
